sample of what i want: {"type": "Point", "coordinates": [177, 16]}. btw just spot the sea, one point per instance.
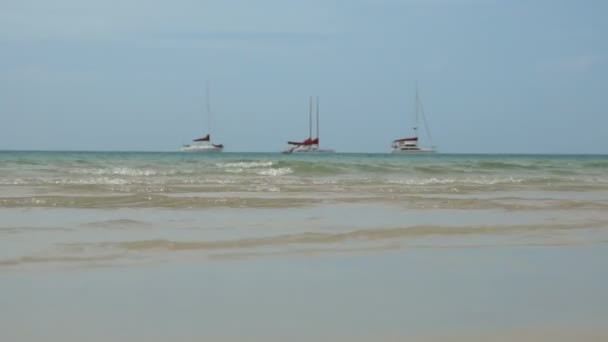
{"type": "Point", "coordinates": [146, 246]}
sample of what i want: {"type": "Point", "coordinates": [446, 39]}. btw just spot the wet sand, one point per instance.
{"type": "Point", "coordinates": [343, 273]}
{"type": "Point", "coordinates": [420, 294]}
{"type": "Point", "coordinates": [41, 239]}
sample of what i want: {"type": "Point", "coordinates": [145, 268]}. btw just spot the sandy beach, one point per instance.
{"type": "Point", "coordinates": [496, 293]}
{"type": "Point", "coordinates": [152, 275]}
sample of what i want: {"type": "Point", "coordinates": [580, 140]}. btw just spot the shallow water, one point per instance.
{"type": "Point", "coordinates": [110, 206]}
{"type": "Point", "coordinates": [180, 180]}
{"type": "Point", "coordinates": [157, 246]}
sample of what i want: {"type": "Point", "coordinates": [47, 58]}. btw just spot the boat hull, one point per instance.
{"type": "Point", "coordinates": [421, 151]}
{"type": "Point", "coordinates": [312, 150]}
{"type": "Point", "coordinates": [202, 149]}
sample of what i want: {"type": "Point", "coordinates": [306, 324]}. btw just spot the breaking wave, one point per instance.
{"type": "Point", "coordinates": [121, 171]}
{"type": "Point", "coordinates": [275, 172]}
{"type": "Point", "coordinates": [245, 164]}
{"type": "Point", "coordinates": [90, 179]}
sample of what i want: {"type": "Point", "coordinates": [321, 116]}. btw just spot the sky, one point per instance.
{"type": "Point", "coordinates": [495, 76]}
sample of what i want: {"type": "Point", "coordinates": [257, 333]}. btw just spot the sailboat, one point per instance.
{"type": "Point", "coordinates": [204, 144]}
{"type": "Point", "coordinates": [309, 145]}
{"type": "Point", "coordinates": [410, 144]}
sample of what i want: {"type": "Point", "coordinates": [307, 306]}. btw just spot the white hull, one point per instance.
{"type": "Point", "coordinates": [202, 148]}
{"type": "Point", "coordinates": [420, 151]}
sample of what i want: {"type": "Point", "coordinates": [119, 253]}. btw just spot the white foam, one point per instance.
{"type": "Point", "coordinates": [17, 181]}
{"type": "Point", "coordinates": [476, 181]}
{"type": "Point", "coordinates": [118, 171]}
{"type": "Point", "coordinates": [235, 170]}
{"type": "Point", "coordinates": [275, 172]}
{"type": "Point", "coordinates": [246, 165]}
{"type": "Point", "coordinates": [87, 181]}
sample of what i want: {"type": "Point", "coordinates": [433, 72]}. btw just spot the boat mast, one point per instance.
{"type": "Point", "coordinates": [310, 118]}
{"type": "Point", "coordinates": [417, 101]}
{"type": "Point", "coordinates": [208, 99]}
{"type": "Point", "coordinates": [317, 121]}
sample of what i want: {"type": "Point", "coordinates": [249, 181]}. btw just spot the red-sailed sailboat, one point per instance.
{"type": "Point", "coordinates": [310, 145]}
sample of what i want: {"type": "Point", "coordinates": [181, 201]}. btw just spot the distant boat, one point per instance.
{"type": "Point", "coordinates": [309, 145]}
{"type": "Point", "coordinates": [203, 144]}
{"type": "Point", "coordinates": [410, 145]}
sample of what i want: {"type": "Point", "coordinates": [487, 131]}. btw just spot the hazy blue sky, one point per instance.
{"type": "Point", "coordinates": [494, 75]}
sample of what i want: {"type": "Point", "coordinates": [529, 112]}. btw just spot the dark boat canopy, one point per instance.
{"type": "Point", "coordinates": [205, 138]}
{"type": "Point", "coordinates": [406, 139]}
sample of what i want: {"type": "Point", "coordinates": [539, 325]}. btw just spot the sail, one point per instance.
{"type": "Point", "coordinates": [205, 138]}
{"type": "Point", "coordinates": [308, 141]}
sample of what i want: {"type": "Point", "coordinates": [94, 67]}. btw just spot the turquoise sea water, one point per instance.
{"type": "Point", "coordinates": [180, 180]}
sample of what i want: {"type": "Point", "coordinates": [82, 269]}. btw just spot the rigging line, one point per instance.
{"type": "Point", "coordinates": [310, 118]}
{"type": "Point", "coordinates": [317, 118]}
{"type": "Point", "coordinates": [208, 100]}
{"type": "Point", "coordinates": [426, 126]}
{"type": "Point", "coordinates": [416, 104]}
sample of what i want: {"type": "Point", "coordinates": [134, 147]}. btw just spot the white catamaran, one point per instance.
{"type": "Point", "coordinates": [309, 145]}
{"type": "Point", "coordinates": [410, 145]}
{"type": "Point", "coordinates": [203, 144]}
